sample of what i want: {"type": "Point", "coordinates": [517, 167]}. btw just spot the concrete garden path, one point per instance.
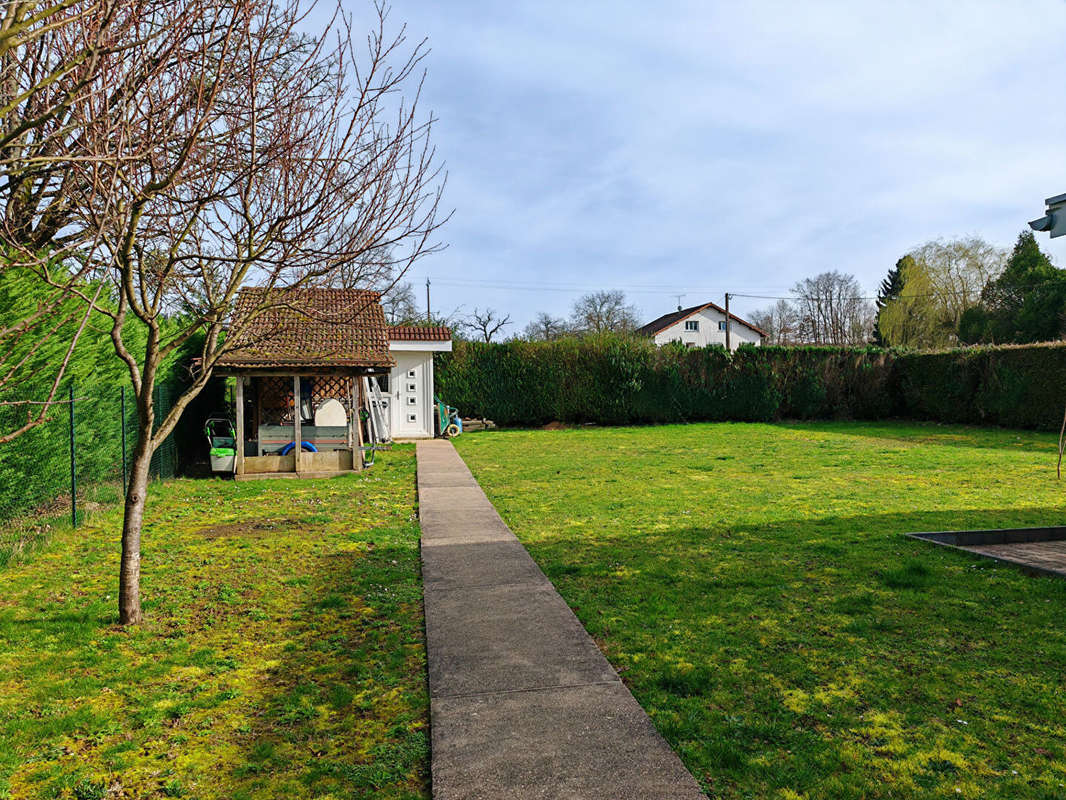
{"type": "Point", "coordinates": [523, 704]}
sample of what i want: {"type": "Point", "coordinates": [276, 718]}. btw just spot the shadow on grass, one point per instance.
{"type": "Point", "coordinates": [867, 544]}
{"type": "Point", "coordinates": [345, 712]}
{"type": "Point", "coordinates": [920, 432]}
{"type": "Point", "coordinates": [832, 656]}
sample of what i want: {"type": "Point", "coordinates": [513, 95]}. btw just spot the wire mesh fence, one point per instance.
{"type": "Point", "coordinates": [79, 457]}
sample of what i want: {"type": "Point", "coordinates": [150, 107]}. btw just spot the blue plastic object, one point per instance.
{"type": "Point", "coordinates": [289, 447]}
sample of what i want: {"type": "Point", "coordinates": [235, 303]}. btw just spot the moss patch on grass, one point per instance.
{"type": "Point", "coordinates": [282, 655]}
{"type": "Point", "coordinates": [752, 586]}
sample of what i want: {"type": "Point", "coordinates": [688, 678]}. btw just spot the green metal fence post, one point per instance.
{"type": "Point", "coordinates": [123, 402]}
{"type": "Point", "coordinates": [157, 454]}
{"type": "Point", "coordinates": [73, 462]}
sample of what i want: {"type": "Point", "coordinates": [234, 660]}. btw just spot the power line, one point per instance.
{"type": "Point", "coordinates": [537, 286]}
{"type": "Point", "coordinates": [941, 293]}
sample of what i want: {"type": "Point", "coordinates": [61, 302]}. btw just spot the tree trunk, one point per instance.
{"type": "Point", "coordinates": [129, 580]}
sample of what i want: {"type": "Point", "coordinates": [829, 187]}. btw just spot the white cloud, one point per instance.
{"type": "Point", "coordinates": [690, 144]}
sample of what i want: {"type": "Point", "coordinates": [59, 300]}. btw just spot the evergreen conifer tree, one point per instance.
{"type": "Point", "coordinates": [889, 290]}
{"type": "Point", "coordinates": [1026, 303]}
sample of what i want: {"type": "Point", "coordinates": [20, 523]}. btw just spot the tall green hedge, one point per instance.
{"type": "Point", "coordinates": [1015, 386]}
{"type": "Point", "coordinates": [35, 467]}
{"type": "Point", "coordinates": [616, 380]}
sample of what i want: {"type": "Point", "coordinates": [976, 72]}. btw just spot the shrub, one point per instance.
{"type": "Point", "coordinates": [618, 380]}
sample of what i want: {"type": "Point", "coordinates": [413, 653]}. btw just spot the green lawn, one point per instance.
{"type": "Point", "coordinates": [282, 657]}
{"type": "Point", "coordinates": [753, 587]}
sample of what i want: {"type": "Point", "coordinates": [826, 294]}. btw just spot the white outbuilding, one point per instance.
{"type": "Point", "coordinates": [700, 326]}
{"type": "Point", "coordinates": [408, 389]}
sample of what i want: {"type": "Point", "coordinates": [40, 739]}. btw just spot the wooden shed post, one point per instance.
{"type": "Point", "coordinates": [351, 416]}
{"type": "Point", "coordinates": [298, 448]}
{"type": "Point", "coordinates": [238, 399]}
{"type": "Point", "coordinates": [357, 394]}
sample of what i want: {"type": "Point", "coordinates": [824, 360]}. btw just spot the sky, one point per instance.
{"type": "Point", "coordinates": [698, 148]}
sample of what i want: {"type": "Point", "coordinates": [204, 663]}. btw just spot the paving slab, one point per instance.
{"type": "Point", "coordinates": [426, 477]}
{"type": "Point", "coordinates": [442, 470]}
{"type": "Point", "coordinates": [1049, 556]}
{"type": "Point", "coordinates": [449, 564]}
{"type": "Point", "coordinates": [441, 460]}
{"type": "Point", "coordinates": [438, 463]}
{"type": "Point", "coordinates": [464, 525]}
{"type": "Point", "coordinates": [506, 638]}
{"type": "Point", "coordinates": [523, 704]}
{"type": "Point", "coordinates": [446, 479]}
{"type": "Point", "coordinates": [573, 743]}
{"type": "Point", "coordinates": [454, 497]}
{"type": "Point", "coordinates": [433, 445]}
{"type": "Point", "coordinates": [430, 456]}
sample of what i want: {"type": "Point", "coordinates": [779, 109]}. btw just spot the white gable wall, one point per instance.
{"type": "Point", "coordinates": [709, 322]}
{"type": "Point", "coordinates": [411, 388]}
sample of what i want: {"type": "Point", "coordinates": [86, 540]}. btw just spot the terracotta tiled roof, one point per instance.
{"type": "Point", "coordinates": [308, 328]}
{"type": "Point", "coordinates": [666, 320]}
{"type": "Point", "coordinates": [419, 333]}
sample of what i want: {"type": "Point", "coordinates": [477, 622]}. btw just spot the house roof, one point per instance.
{"type": "Point", "coordinates": [420, 333]}
{"type": "Point", "coordinates": [666, 320]}
{"type": "Point", "coordinates": [308, 328]}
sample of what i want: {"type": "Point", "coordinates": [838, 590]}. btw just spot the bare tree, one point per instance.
{"type": "Point", "coordinates": [277, 160]}
{"type": "Point", "coordinates": [944, 279]}
{"type": "Point", "coordinates": [401, 306]}
{"type": "Point", "coordinates": [602, 311]}
{"type": "Point", "coordinates": [780, 322]}
{"type": "Point", "coordinates": [831, 310]}
{"type": "Point", "coordinates": [486, 324]}
{"type": "Point", "coordinates": [56, 59]}
{"type": "Point", "coordinates": [53, 56]}
{"type": "Point", "coordinates": [397, 296]}
{"type": "Point", "coordinates": [545, 328]}
{"type": "Point", "coordinates": [377, 261]}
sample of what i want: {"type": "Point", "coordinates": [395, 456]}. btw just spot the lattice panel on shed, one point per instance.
{"type": "Point", "coordinates": [327, 387]}
{"type": "Point", "coordinates": [275, 398]}
{"type": "Point", "coordinates": [275, 395]}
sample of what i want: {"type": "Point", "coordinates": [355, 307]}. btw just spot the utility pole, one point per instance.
{"type": "Point", "coordinates": [429, 317]}
{"type": "Point", "coordinates": [727, 340]}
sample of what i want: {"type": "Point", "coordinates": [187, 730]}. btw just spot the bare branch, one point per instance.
{"type": "Point", "coordinates": [248, 154]}
{"type": "Point", "coordinates": [486, 324]}
{"type": "Point", "coordinates": [607, 310]}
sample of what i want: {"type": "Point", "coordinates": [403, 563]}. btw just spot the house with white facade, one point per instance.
{"type": "Point", "coordinates": [700, 326]}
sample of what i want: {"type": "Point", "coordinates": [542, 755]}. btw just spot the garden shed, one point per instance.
{"type": "Point", "coordinates": [299, 357]}
{"type": "Point", "coordinates": [409, 388]}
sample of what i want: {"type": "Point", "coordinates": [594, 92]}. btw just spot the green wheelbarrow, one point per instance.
{"type": "Point", "coordinates": [449, 423]}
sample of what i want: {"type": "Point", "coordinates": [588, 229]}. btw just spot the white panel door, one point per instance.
{"type": "Point", "coordinates": [410, 406]}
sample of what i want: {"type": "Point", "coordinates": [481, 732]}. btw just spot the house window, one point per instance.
{"type": "Point", "coordinates": [412, 387]}
{"type": "Point", "coordinates": [410, 373]}
{"type": "Point", "coordinates": [412, 418]}
{"type": "Point", "coordinates": [412, 401]}
{"type": "Point", "coordinates": [721, 325]}
{"type": "Point", "coordinates": [692, 324]}
{"type": "Point", "coordinates": [383, 382]}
